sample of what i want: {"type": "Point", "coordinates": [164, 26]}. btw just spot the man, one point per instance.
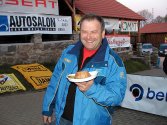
{"type": "Point", "coordinates": [86, 103]}
{"type": "Point", "coordinates": [165, 65]}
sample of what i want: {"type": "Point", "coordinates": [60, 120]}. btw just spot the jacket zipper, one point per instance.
{"type": "Point", "coordinates": [57, 86]}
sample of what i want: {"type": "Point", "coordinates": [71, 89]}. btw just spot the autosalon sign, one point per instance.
{"type": "Point", "coordinates": [34, 23]}
{"type": "Point", "coordinates": [129, 26]}
{"type": "Point", "coordinates": [30, 6]}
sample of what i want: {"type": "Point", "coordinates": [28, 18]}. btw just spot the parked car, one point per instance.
{"type": "Point", "coordinates": [147, 48]}
{"type": "Point", "coordinates": [162, 49]}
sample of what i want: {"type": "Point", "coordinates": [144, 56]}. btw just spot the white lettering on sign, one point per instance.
{"type": "Point", "coordinates": [129, 26]}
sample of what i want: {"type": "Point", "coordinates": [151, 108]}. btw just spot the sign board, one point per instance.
{"type": "Point", "coordinates": [30, 6]}
{"type": "Point", "coordinates": [36, 74]}
{"type": "Point", "coordinates": [129, 26]}
{"type": "Point", "coordinates": [18, 24]}
{"type": "Point", "coordinates": [10, 83]}
{"type": "Point", "coordinates": [77, 22]}
{"type": "Point", "coordinates": [116, 41]}
{"type": "Point", "coordinates": [147, 94]}
{"type": "Point", "coordinates": [111, 24]}
{"type": "Point", "coordinates": [165, 39]}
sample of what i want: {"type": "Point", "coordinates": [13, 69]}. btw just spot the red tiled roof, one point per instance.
{"type": "Point", "coordinates": [154, 28]}
{"type": "Point", "coordinates": [107, 8]}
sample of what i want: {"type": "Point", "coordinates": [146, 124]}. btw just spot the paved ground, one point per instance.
{"type": "Point", "coordinates": [21, 109]}
{"type": "Point", "coordinates": [25, 109]}
{"type": "Point", "coordinates": [154, 71]}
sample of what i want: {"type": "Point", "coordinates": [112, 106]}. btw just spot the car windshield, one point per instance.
{"type": "Point", "coordinates": [147, 46]}
{"type": "Point", "coordinates": [163, 46]}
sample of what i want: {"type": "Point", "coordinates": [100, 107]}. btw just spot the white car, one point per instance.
{"type": "Point", "coordinates": [147, 48]}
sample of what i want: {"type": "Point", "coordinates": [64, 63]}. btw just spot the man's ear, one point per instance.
{"type": "Point", "coordinates": [103, 34]}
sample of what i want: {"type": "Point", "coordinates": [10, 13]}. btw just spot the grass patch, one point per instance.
{"type": "Point", "coordinates": [133, 66]}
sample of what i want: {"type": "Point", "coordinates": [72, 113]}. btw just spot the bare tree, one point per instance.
{"type": "Point", "coordinates": [147, 15]}
{"type": "Point", "coordinates": [159, 19]}
{"type": "Point", "coordinates": [165, 18]}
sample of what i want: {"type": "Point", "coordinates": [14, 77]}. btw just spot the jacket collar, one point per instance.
{"type": "Point", "coordinates": [100, 54]}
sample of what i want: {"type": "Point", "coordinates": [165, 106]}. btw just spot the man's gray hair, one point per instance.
{"type": "Point", "coordinates": [90, 17]}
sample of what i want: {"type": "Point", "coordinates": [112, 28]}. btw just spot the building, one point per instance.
{"type": "Point", "coordinates": [42, 48]}
{"type": "Point", "coordinates": [155, 33]}
{"type": "Point", "coordinates": [119, 19]}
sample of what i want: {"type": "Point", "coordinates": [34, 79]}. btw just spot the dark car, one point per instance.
{"type": "Point", "coordinates": [162, 49]}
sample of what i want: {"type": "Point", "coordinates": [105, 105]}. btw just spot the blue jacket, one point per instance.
{"type": "Point", "coordinates": [91, 107]}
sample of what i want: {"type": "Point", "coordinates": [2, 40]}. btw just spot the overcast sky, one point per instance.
{"type": "Point", "coordinates": [158, 7]}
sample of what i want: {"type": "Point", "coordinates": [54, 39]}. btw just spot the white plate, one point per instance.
{"type": "Point", "coordinates": [93, 75]}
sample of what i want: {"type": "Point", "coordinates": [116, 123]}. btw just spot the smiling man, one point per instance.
{"type": "Point", "coordinates": [88, 102]}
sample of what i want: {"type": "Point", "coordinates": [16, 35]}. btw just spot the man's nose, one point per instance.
{"type": "Point", "coordinates": [89, 35]}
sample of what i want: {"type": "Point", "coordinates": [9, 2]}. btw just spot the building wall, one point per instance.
{"type": "Point", "coordinates": [41, 52]}
{"type": "Point", "coordinates": [25, 53]}
{"type": "Point", "coordinates": [154, 38]}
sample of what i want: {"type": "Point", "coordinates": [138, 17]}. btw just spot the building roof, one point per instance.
{"type": "Point", "coordinates": [107, 8]}
{"type": "Point", "coordinates": [154, 28]}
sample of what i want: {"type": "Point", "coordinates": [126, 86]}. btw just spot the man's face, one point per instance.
{"type": "Point", "coordinates": [91, 34]}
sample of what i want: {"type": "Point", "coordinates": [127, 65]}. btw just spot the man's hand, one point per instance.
{"type": "Point", "coordinates": [83, 86]}
{"type": "Point", "coordinates": [47, 119]}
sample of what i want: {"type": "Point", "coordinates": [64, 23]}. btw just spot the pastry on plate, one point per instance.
{"type": "Point", "coordinates": [82, 75]}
